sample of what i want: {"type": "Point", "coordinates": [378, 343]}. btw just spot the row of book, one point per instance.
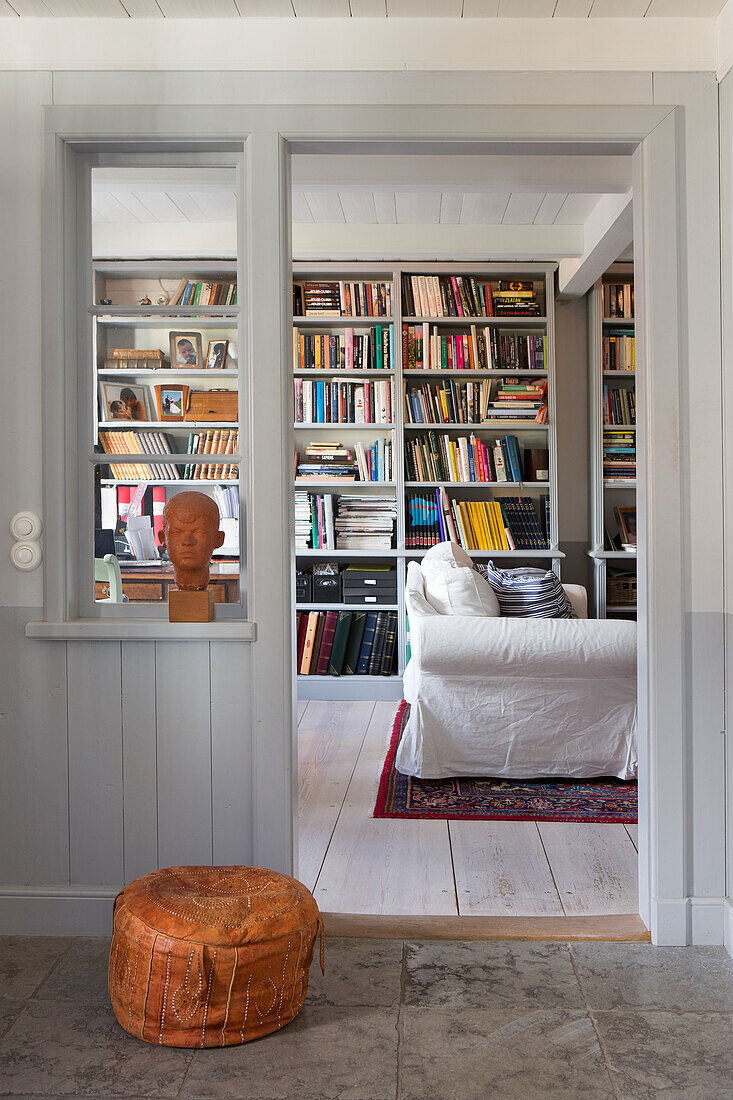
{"type": "Point", "coordinates": [370, 350]}
{"type": "Point", "coordinates": [447, 402]}
{"type": "Point", "coordinates": [346, 643]}
{"type": "Point", "coordinates": [135, 359]}
{"type": "Point", "coordinates": [467, 296]}
{"type": "Point", "coordinates": [619, 454]}
{"type": "Point", "coordinates": [618, 299]}
{"type": "Point", "coordinates": [619, 405]}
{"type": "Point", "coordinates": [167, 471]}
{"type": "Point", "coordinates": [428, 347]}
{"type": "Point", "coordinates": [511, 523]}
{"type": "Point", "coordinates": [342, 299]}
{"type": "Point", "coordinates": [334, 462]}
{"type": "Point", "coordinates": [190, 293]}
{"type": "Point", "coordinates": [334, 402]}
{"type": "Point", "coordinates": [619, 350]}
{"type": "Point", "coordinates": [435, 457]}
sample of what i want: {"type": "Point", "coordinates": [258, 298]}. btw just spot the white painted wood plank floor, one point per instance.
{"type": "Point", "coordinates": [355, 863]}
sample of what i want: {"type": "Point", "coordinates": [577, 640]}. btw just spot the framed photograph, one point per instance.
{"type": "Point", "coordinates": [186, 350]}
{"type": "Point", "coordinates": [172, 401]}
{"type": "Point", "coordinates": [120, 401]}
{"type": "Point", "coordinates": [626, 519]}
{"type": "Point", "coordinates": [216, 356]}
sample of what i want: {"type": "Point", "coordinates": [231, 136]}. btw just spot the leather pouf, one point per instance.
{"type": "Point", "coordinates": [211, 956]}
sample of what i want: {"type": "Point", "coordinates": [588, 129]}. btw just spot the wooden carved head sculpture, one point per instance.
{"type": "Point", "coordinates": [191, 534]}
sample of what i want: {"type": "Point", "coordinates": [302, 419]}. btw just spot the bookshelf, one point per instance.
{"type": "Point", "coordinates": [441, 330]}
{"type": "Point", "coordinates": [613, 442]}
{"type": "Point", "coordinates": [136, 310]}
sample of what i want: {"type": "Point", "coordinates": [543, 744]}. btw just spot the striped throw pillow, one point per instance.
{"type": "Point", "coordinates": [529, 593]}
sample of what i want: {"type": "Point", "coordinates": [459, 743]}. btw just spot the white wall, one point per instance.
{"type": "Point", "coordinates": [82, 811]}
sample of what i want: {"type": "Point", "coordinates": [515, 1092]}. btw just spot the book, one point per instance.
{"type": "Point", "coordinates": [310, 635]}
{"type": "Point", "coordinates": [353, 646]}
{"type": "Point", "coordinates": [390, 644]}
{"type": "Point", "coordinates": [317, 642]}
{"type": "Point", "coordinates": [366, 643]}
{"type": "Point", "coordinates": [375, 657]}
{"type": "Point", "coordinates": [324, 655]}
{"type": "Point", "coordinates": [340, 638]}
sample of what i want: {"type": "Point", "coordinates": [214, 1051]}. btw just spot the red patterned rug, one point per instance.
{"type": "Point", "coordinates": [599, 801]}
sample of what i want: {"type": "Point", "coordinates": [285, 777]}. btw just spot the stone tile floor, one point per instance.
{"type": "Point", "coordinates": [397, 1021]}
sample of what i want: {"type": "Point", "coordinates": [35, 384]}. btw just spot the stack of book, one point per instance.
{"type": "Point", "coordinates": [619, 405]}
{"type": "Point", "coordinates": [448, 402]}
{"type": "Point", "coordinates": [324, 461]}
{"type": "Point", "coordinates": [303, 521]}
{"type": "Point", "coordinates": [618, 300]}
{"type": "Point", "coordinates": [204, 294]}
{"type": "Point", "coordinates": [135, 359]}
{"type": "Point", "coordinates": [342, 299]}
{"type": "Point", "coordinates": [334, 402]}
{"type": "Point", "coordinates": [516, 299]}
{"type": "Point", "coordinates": [435, 457]}
{"type": "Point", "coordinates": [619, 455]}
{"type": "Point", "coordinates": [372, 349]}
{"type": "Point", "coordinates": [514, 399]}
{"type": "Point", "coordinates": [346, 643]}
{"type": "Point", "coordinates": [619, 349]}
{"type": "Point", "coordinates": [428, 347]}
{"type": "Point", "coordinates": [365, 522]}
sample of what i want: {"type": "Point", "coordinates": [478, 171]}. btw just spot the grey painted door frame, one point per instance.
{"type": "Point", "coordinates": [653, 134]}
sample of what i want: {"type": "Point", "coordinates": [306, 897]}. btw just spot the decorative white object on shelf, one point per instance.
{"type": "Point", "coordinates": [26, 526]}
{"type": "Point", "coordinates": [26, 555]}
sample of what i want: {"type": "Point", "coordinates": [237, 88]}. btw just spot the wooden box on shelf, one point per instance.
{"type": "Point", "coordinates": [212, 405]}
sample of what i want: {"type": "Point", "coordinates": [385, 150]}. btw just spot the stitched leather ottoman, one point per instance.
{"type": "Point", "coordinates": [211, 956]}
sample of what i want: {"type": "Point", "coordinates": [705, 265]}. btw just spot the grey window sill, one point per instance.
{"type": "Point", "coordinates": [142, 630]}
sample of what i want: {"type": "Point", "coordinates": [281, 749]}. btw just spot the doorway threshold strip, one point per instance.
{"type": "Point", "coordinates": [470, 798]}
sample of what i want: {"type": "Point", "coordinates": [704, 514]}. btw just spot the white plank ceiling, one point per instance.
{"type": "Point", "coordinates": [358, 9]}
{"type": "Point", "coordinates": [361, 191]}
{"type": "Point", "coordinates": [126, 203]}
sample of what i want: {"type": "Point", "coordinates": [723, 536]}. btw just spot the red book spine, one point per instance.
{"type": "Point", "coordinates": [324, 655]}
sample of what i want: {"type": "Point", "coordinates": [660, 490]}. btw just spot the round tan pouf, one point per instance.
{"type": "Point", "coordinates": [211, 956]}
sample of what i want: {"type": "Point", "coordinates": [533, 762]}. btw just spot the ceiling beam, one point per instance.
{"type": "Point", "coordinates": [534, 174]}
{"type": "Point", "coordinates": [436, 242]}
{"type": "Point", "coordinates": [607, 232]}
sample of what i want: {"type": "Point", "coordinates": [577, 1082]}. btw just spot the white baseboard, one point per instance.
{"type": "Point", "coordinates": [679, 922]}
{"type": "Point", "coordinates": [56, 911]}
{"type": "Point", "coordinates": [350, 687]}
{"type": "Point", "coordinates": [728, 925]}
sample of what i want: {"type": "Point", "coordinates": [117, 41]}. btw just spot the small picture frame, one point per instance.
{"type": "Point", "coordinates": [186, 350]}
{"type": "Point", "coordinates": [216, 356]}
{"type": "Point", "coordinates": [626, 519]}
{"type": "Point", "coordinates": [171, 400]}
{"type": "Point", "coordinates": [124, 402]}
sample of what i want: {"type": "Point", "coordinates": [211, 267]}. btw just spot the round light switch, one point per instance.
{"type": "Point", "coordinates": [25, 526]}
{"type": "Point", "coordinates": [26, 555]}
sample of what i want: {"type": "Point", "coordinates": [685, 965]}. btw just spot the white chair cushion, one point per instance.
{"type": "Point", "coordinates": [452, 586]}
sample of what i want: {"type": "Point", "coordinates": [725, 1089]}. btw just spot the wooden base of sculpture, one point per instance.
{"type": "Point", "coordinates": [190, 607]}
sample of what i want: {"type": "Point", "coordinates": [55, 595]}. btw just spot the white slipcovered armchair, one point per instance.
{"type": "Point", "coordinates": [517, 697]}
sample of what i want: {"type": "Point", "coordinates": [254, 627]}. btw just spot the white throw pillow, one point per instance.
{"type": "Point", "coordinates": [451, 584]}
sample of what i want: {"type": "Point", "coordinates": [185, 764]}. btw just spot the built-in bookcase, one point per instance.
{"type": "Point", "coordinates": [613, 438]}
{"type": "Point", "coordinates": [508, 333]}
{"type": "Point", "coordinates": [165, 336]}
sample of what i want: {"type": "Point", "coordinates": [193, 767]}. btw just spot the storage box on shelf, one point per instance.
{"type": "Point", "coordinates": [165, 383]}
{"type": "Point", "coordinates": [614, 434]}
{"type": "Point", "coordinates": [468, 370]}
